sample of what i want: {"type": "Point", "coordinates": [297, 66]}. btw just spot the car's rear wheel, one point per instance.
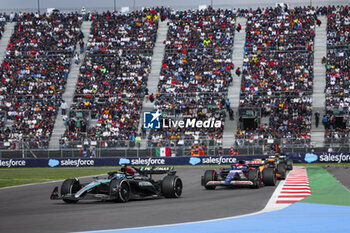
{"type": "Point", "coordinates": [119, 190]}
{"type": "Point", "coordinates": [172, 186]}
{"type": "Point", "coordinates": [281, 170]}
{"type": "Point", "coordinates": [254, 176]}
{"type": "Point", "coordinates": [70, 186]}
{"type": "Point", "coordinates": [209, 175]}
{"type": "Point", "coordinates": [289, 164]}
{"type": "Point", "coordinates": [269, 176]}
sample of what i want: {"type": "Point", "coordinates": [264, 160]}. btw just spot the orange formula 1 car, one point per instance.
{"type": "Point", "coordinates": [279, 163]}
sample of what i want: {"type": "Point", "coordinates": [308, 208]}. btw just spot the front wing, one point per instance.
{"type": "Point", "coordinates": [232, 183]}
{"type": "Point", "coordinates": [88, 196]}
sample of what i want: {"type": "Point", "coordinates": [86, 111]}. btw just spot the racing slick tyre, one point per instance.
{"type": "Point", "coordinates": [269, 176]}
{"type": "Point", "coordinates": [289, 164]}
{"type": "Point", "coordinates": [70, 186]}
{"type": "Point", "coordinates": [281, 170]}
{"type": "Point", "coordinates": [209, 175]}
{"type": "Point", "coordinates": [255, 177]}
{"type": "Point", "coordinates": [172, 186]}
{"type": "Point", "coordinates": [119, 190]}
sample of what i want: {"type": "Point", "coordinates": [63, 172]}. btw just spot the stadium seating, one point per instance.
{"type": "Point", "coordinates": [33, 76]}
{"type": "Point", "coordinates": [337, 75]}
{"type": "Point", "coordinates": [276, 84]}
{"type": "Point", "coordinates": [195, 74]}
{"type": "Point", "coordinates": [113, 79]}
{"type": "Point", "coordinates": [277, 75]}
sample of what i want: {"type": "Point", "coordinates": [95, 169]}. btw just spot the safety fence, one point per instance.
{"type": "Point", "coordinates": [205, 147]}
{"type": "Point", "coordinates": [168, 161]}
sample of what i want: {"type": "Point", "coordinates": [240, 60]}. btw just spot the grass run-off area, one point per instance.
{"type": "Point", "coordinates": [19, 176]}
{"type": "Point", "coordinates": [325, 188]}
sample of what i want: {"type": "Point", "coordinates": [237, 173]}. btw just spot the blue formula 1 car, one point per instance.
{"type": "Point", "coordinates": [129, 183]}
{"type": "Point", "coordinates": [239, 174]}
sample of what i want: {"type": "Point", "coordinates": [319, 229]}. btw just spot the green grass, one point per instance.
{"type": "Point", "coordinates": [19, 176]}
{"type": "Point", "coordinates": [321, 164]}
{"type": "Point", "coordinates": [325, 188]}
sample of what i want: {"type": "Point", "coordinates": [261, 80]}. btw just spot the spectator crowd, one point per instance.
{"type": "Point", "coordinates": [113, 78]}
{"type": "Point", "coordinates": [195, 74]}
{"type": "Point", "coordinates": [33, 76]}
{"type": "Point", "coordinates": [277, 74]}
{"type": "Point", "coordinates": [337, 74]}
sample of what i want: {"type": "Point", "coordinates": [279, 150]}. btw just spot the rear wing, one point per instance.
{"type": "Point", "coordinates": [255, 163]}
{"type": "Point", "coordinates": [158, 170]}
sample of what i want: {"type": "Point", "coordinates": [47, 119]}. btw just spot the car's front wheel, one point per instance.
{"type": "Point", "coordinates": [172, 186]}
{"type": "Point", "coordinates": [209, 175]}
{"type": "Point", "coordinates": [282, 171]}
{"type": "Point", "coordinates": [255, 177]}
{"type": "Point", "coordinates": [70, 186]}
{"type": "Point", "coordinates": [269, 176]}
{"type": "Point", "coordinates": [119, 190]}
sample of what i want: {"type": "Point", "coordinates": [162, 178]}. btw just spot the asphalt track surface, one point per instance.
{"type": "Point", "coordinates": [341, 173]}
{"type": "Point", "coordinates": [29, 209]}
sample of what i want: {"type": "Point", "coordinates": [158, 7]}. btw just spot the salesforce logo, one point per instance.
{"type": "Point", "coordinates": [194, 160]}
{"type": "Point", "coordinates": [124, 161]}
{"type": "Point", "coordinates": [71, 162]}
{"type": "Point", "coordinates": [12, 163]}
{"type": "Point", "coordinates": [53, 162]}
{"type": "Point", "coordinates": [310, 157]}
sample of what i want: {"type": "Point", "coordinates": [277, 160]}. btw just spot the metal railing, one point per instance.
{"type": "Point", "coordinates": [277, 94]}
{"type": "Point", "coordinates": [133, 150]}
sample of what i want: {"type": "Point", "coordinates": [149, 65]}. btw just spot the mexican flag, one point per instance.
{"type": "Point", "coordinates": [162, 151]}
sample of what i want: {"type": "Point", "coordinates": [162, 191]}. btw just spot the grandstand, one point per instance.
{"type": "Point", "coordinates": [337, 76]}
{"type": "Point", "coordinates": [80, 82]}
{"type": "Point", "coordinates": [277, 77]}
{"type": "Point", "coordinates": [195, 74]}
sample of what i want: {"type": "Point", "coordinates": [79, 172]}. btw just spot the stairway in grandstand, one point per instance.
{"type": "Point", "coordinates": [5, 39]}
{"type": "Point", "coordinates": [153, 78]}
{"type": "Point", "coordinates": [69, 90]}
{"type": "Point", "coordinates": [9, 28]}
{"type": "Point", "coordinates": [318, 97]}
{"type": "Point", "coordinates": [234, 91]}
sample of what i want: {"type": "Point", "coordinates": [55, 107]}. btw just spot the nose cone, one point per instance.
{"type": "Point", "coordinates": [230, 176]}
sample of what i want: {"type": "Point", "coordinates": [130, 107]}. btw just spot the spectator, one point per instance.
{"type": "Point", "coordinates": [81, 44]}
{"type": "Point", "coordinates": [317, 119]}
{"type": "Point", "coordinates": [325, 121]}
{"type": "Point", "coordinates": [228, 104]}
{"type": "Point", "coordinates": [76, 59]}
{"type": "Point", "coordinates": [238, 72]}
{"type": "Point", "coordinates": [64, 107]}
{"type": "Point", "coordinates": [230, 112]}
{"type": "Point", "coordinates": [318, 22]}
{"type": "Point", "coordinates": [239, 27]}
{"type": "Point", "coordinates": [151, 98]}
